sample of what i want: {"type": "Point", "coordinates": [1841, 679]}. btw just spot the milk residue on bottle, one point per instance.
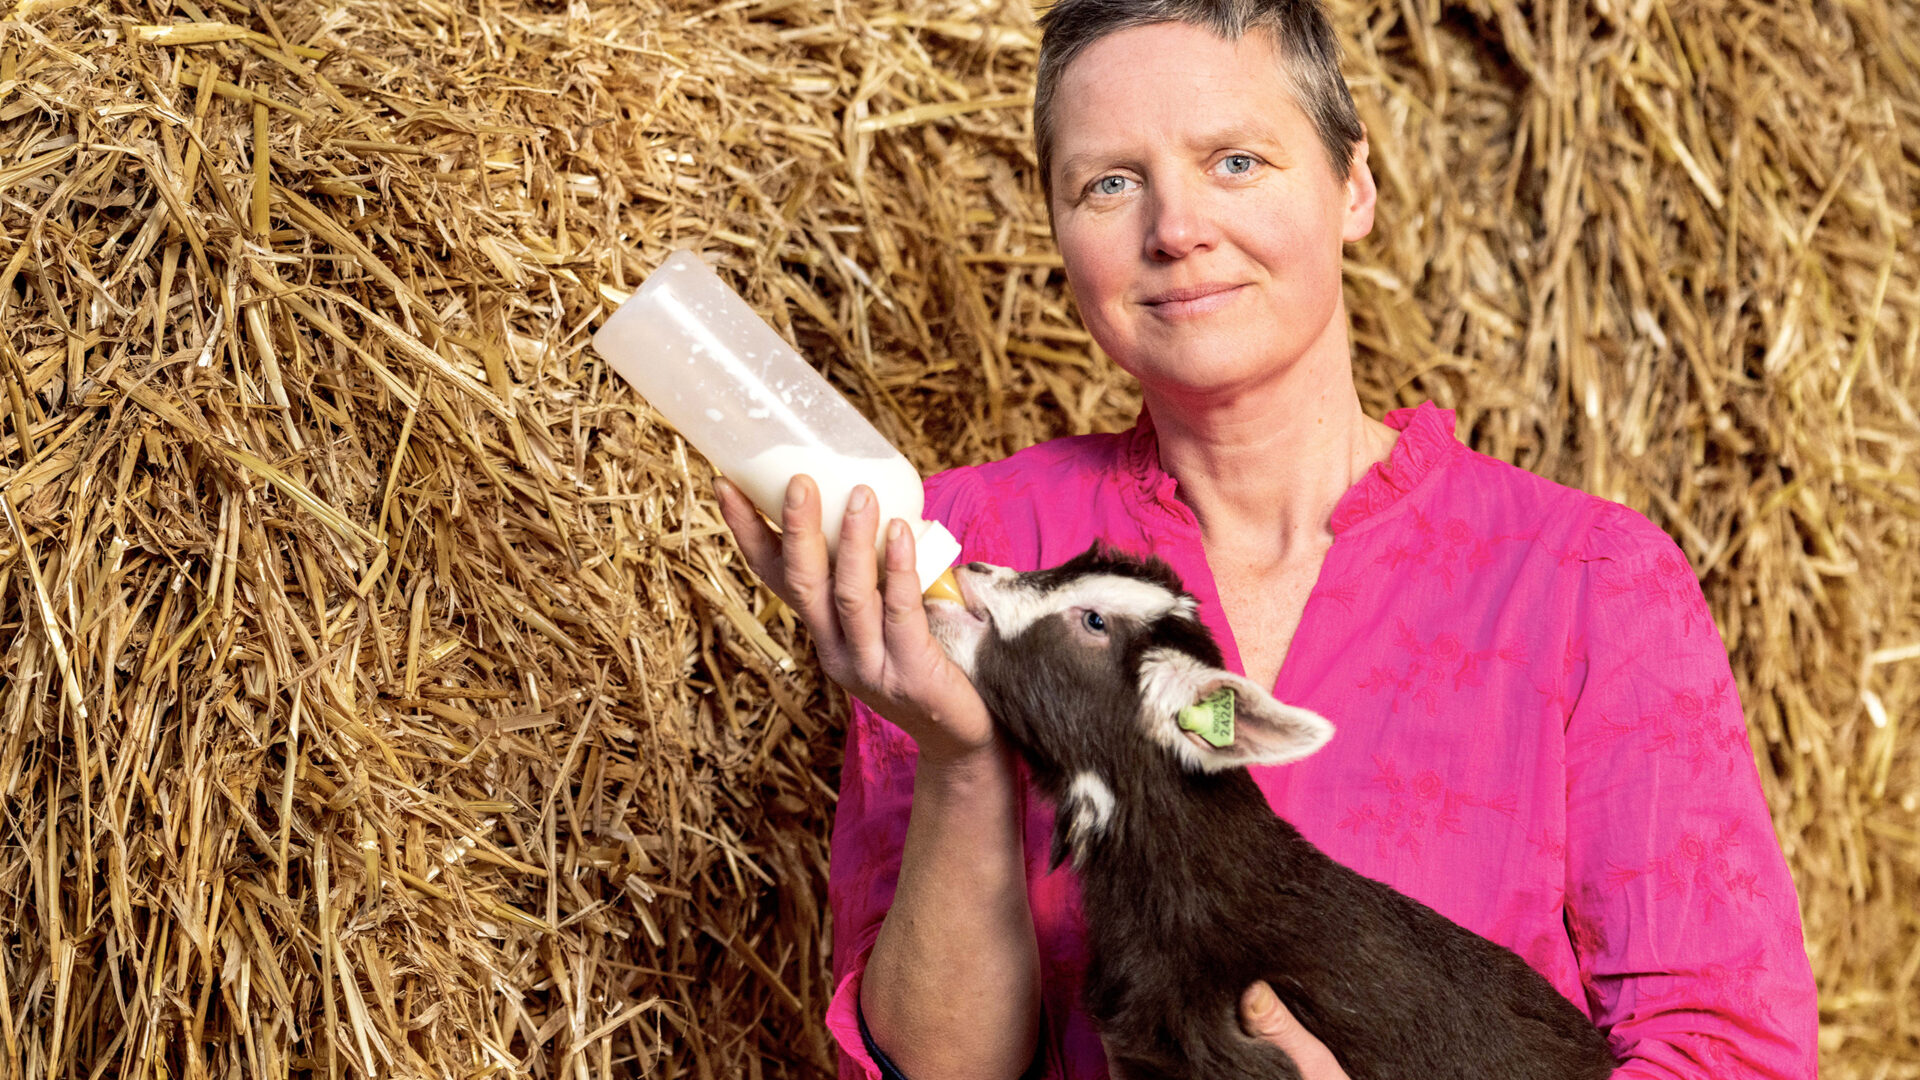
{"type": "Point", "coordinates": [756, 410]}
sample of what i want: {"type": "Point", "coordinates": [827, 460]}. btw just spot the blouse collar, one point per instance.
{"type": "Point", "coordinates": [1425, 445]}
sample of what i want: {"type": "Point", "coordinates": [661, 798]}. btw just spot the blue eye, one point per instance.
{"type": "Point", "coordinates": [1238, 164]}
{"type": "Point", "coordinates": [1110, 185]}
{"type": "Point", "coordinates": [1092, 621]}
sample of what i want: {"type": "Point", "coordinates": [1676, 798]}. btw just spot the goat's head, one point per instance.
{"type": "Point", "coordinates": [1089, 663]}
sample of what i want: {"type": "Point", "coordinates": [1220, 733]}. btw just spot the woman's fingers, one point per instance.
{"type": "Point", "coordinates": [760, 544]}
{"type": "Point", "coordinates": [873, 641]}
{"type": "Point", "coordinates": [854, 598]}
{"type": "Point", "coordinates": [806, 570]}
{"type": "Point", "coordinates": [1263, 1016]}
{"type": "Point", "coordinates": [958, 723]}
{"type": "Point", "coordinates": [906, 612]}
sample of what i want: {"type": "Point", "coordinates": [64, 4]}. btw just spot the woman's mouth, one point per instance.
{"type": "Point", "coordinates": [1192, 301]}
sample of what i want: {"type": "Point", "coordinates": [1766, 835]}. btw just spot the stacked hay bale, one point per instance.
{"type": "Point", "coordinates": [381, 694]}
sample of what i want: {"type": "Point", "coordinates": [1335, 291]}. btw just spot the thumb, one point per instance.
{"type": "Point", "coordinates": [1263, 1016]}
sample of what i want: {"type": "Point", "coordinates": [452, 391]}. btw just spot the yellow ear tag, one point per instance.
{"type": "Point", "coordinates": [1211, 717]}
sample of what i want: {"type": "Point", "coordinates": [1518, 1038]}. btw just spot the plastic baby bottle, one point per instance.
{"type": "Point", "coordinates": [761, 414]}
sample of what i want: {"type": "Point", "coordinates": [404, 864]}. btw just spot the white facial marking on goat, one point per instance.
{"type": "Point", "coordinates": [998, 605]}
{"type": "Point", "coordinates": [1014, 610]}
{"type": "Point", "coordinates": [1169, 681]}
{"type": "Point", "coordinates": [1089, 804]}
{"type": "Point", "coordinates": [960, 627]}
{"type": "Point", "coordinates": [957, 633]}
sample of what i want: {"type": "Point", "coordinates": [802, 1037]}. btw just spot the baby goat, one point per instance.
{"type": "Point", "coordinates": [1192, 888]}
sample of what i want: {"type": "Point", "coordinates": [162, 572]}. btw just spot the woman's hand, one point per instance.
{"type": "Point", "coordinates": [952, 987]}
{"type": "Point", "coordinates": [1264, 1017]}
{"type": "Point", "coordinates": [871, 640]}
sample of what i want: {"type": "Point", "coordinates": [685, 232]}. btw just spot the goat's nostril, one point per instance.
{"type": "Point", "coordinates": [979, 567]}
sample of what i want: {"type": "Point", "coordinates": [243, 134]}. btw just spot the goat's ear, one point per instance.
{"type": "Point", "coordinates": [1229, 720]}
{"type": "Point", "coordinates": [1267, 731]}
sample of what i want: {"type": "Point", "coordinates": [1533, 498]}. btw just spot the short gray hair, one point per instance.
{"type": "Point", "coordinates": [1300, 31]}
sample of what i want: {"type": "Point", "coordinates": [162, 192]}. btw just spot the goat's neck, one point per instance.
{"type": "Point", "coordinates": [1177, 835]}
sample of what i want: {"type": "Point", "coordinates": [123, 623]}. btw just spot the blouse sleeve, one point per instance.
{"type": "Point", "coordinates": [869, 830]}
{"type": "Point", "coordinates": [1682, 913]}
{"type": "Point", "coordinates": [870, 819]}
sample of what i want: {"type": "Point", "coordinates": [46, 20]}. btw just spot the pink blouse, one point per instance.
{"type": "Point", "coordinates": [1537, 734]}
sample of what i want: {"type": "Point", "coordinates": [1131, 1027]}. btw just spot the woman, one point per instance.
{"type": "Point", "coordinates": [1537, 730]}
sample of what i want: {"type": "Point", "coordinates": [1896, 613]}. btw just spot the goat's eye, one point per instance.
{"type": "Point", "coordinates": [1094, 622]}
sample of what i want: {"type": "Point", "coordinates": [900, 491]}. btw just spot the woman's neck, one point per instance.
{"type": "Point", "coordinates": [1263, 467]}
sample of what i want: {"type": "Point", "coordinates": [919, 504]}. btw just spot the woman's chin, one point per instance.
{"type": "Point", "coordinates": [1218, 354]}
{"type": "Point", "coordinates": [1207, 368]}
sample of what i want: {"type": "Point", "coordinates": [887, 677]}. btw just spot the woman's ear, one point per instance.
{"type": "Point", "coordinates": [1360, 192]}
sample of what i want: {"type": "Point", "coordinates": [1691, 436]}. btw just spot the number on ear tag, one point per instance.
{"type": "Point", "coordinates": [1211, 717]}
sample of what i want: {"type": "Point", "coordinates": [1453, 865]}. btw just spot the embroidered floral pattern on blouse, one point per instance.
{"type": "Point", "coordinates": [1667, 585]}
{"type": "Point", "coordinates": [1740, 981]}
{"type": "Point", "coordinates": [1700, 870]}
{"type": "Point", "coordinates": [1447, 550]}
{"type": "Point", "coordinates": [1419, 809]}
{"type": "Point", "coordinates": [1691, 727]}
{"type": "Point", "coordinates": [1434, 666]}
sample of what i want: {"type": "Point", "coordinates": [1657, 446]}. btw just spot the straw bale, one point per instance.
{"type": "Point", "coordinates": [381, 694]}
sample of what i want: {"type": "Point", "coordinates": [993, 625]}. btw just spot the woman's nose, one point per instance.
{"type": "Point", "coordinates": [1181, 222]}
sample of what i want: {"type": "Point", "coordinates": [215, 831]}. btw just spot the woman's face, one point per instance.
{"type": "Point", "coordinates": [1194, 206]}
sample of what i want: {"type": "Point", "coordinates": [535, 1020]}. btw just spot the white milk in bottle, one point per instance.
{"type": "Point", "coordinates": [760, 413]}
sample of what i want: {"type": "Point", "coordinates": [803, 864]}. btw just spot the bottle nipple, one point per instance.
{"type": "Point", "coordinates": [945, 587]}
